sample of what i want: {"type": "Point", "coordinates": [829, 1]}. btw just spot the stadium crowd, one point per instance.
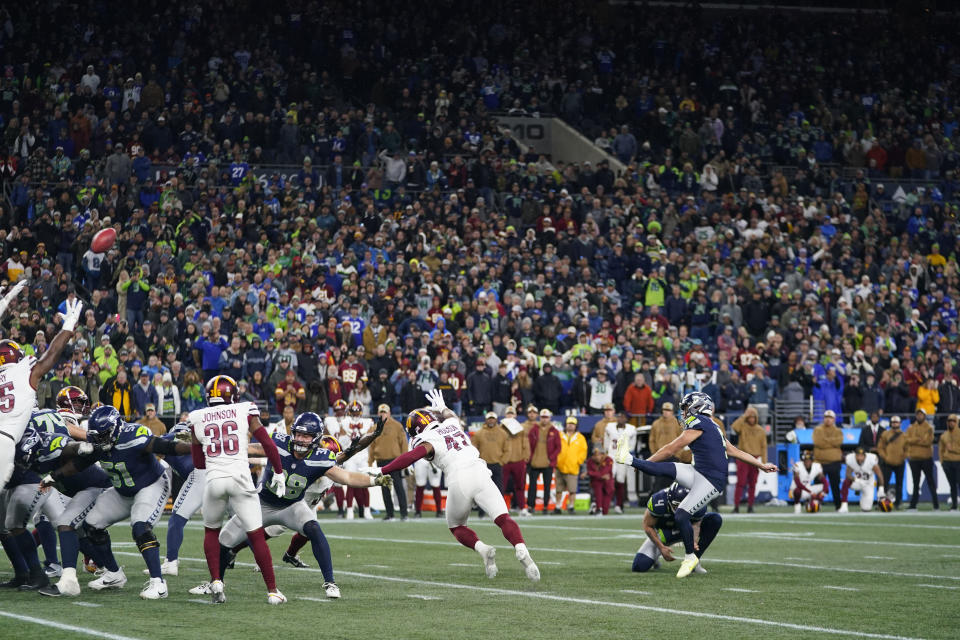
{"type": "Point", "coordinates": [750, 249]}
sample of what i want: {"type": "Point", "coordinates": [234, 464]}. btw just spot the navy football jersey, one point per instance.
{"type": "Point", "coordinates": [709, 450]}
{"type": "Point", "coordinates": [300, 473]}
{"type": "Point", "coordinates": [48, 458]}
{"type": "Point", "coordinates": [659, 507]}
{"type": "Point", "coordinates": [181, 465]}
{"type": "Point", "coordinates": [129, 466]}
{"type": "Point", "coordinates": [48, 421]}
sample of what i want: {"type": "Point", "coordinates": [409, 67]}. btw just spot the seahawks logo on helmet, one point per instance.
{"type": "Point", "coordinates": [695, 403]}
{"type": "Point", "coordinates": [28, 447]}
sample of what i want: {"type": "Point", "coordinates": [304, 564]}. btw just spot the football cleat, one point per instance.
{"type": "Point", "coordinates": [217, 596]}
{"type": "Point", "coordinates": [53, 570]}
{"type": "Point", "coordinates": [154, 589]}
{"type": "Point", "coordinates": [489, 555]}
{"type": "Point", "coordinates": [65, 587]}
{"type": "Point", "coordinates": [699, 568]}
{"type": "Point", "coordinates": [332, 590]}
{"type": "Point", "coordinates": [37, 580]}
{"type": "Point", "coordinates": [167, 568]}
{"type": "Point", "coordinates": [687, 567]}
{"type": "Point", "coordinates": [843, 508]}
{"type": "Point", "coordinates": [109, 580]}
{"type": "Point", "coordinates": [275, 597]}
{"type": "Point", "coordinates": [202, 589]}
{"type": "Point", "coordinates": [14, 582]}
{"type": "Point", "coordinates": [529, 566]}
{"type": "Point", "coordinates": [295, 561]}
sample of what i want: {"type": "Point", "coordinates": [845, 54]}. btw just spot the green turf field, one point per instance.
{"type": "Point", "coordinates": [773, 574]}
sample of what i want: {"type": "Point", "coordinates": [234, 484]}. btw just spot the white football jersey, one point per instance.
{"type": "Point", "coordinates": [612, 435]}
{"type": "Point", "coordinates": [807, 477]}
{"type": "Point", "coordinates": [352, 428]}
{"type": "Point", "coordinates": [335, 426]}
{"type": "Point", "coordinates": [862, 471]}
{"type": "Point", "coordinates": [18, 398]}
{"type": "Point", "coordinates": [224, 432]}
{"type": "Point", "coordinates": [452, 450]}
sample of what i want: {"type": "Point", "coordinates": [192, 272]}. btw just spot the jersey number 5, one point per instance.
{"type": "Point", "coordinates": [7, 399]}
{"type": "Point", "coordinates": [457, 441]}
{"type": "Point", "coordinates": [223, 439]}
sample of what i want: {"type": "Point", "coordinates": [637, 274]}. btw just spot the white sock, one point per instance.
{"type": "Point", "coordinates": [481, 547]}
{"type": "Point", "coordinates": [689, 556]}
{"type": "Point", "coordinates": [69, 573]}
{"type": "Point", "coordinates": [521, 548]}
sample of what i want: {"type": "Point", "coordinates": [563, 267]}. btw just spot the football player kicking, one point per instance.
{"type": "Point", "coordinates": [436, 434]}
{"type": "Point", "coordinates": [304, 462]}
{"type": "Point", "coordinates": [221, 433]}
{"type": "Point", "coordinates": [19, 377]}
{"type": "Point", "coordinates": [863, 474]}
{"type": "Point", "coordinates": [705, 478]}
{"type": "Point", "coordinates": [141, 486]}
{"type": "Point", "coordinates": [70, 467]}
{"type": "Point", "coordinates": [661, 528]}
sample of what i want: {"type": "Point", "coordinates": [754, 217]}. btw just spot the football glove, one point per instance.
{"type": "Point", "coordinates": [86, 448]}
{"type": "Point", "coordinates": [378, 429]}
{"type": "Point", "coordinates": [278, 483]}
{"type": "Point", "coordinates": [72, 316]}
{"type": "Point", "coordinates": [381, 480]}
{"type": "Point", "coordinates": [436, 400]}
{"type": "Point", "coordinates": [623, 452]}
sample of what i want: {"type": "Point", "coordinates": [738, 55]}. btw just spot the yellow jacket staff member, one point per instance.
{"type": "Point", "coordinates": [950, 456]}
{"type": "Point", "coordinates": [388, 445]}
{"type": "Point", "coordinates": [666, 429]}
{"type": "Point", "coordinates": [827, 440]}
{"type": "Point", "coordinates": [919, 439]}
{"type": "Point", "coordinates": [573, 453]}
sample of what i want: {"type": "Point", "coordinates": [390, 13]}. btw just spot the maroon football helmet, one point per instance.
{"type": "Point", "coordinates": [73, 401]}
{"type": "Point", "coordinates": [10, 352]}
{"type": "Point", "coordinates": [340, 407]}
{"type": "Point", "coordinates": [418, 420]}
{"type": "Point", "coordinates": [222, 390]}
{"type": "Point", "coordinates": [356, 409]}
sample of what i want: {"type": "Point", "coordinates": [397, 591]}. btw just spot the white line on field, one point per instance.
{"type": "Point", "coordinates": [840, 588]}
{"type": "Point", "coordinates": [618, 554]}
{"type": "Point", "coordinates": [885, 543]}
{"type": "Point", "coordinates": [313, 599]}
{"type": "Point", "coordinates": [736, 590]}
{"type": "Point", "coordinates": [421, 597]}
{"type": "Point", "coordinates": [938, 586]}
{"type": "Point", "coordinates": [606, 603]}
{"type": "Point", "coordinates": [639, 593]}
{"type": "Point", "coordinates": [464, 564]}
{"type": "Point", "coordinates": [879, 558]}
{"type": "Point", "coordinates": [65, 627]}
{"type": "Point", "coordinates": [377, 566]}
{"type": "Point", "coordinates": [560, 564]}
{"type": "Point", "coordinates": [86, 604]}
{"type": "Point", "coordinates": [793, 558]}
{"type": "Point", "coordinates": [199, 601]}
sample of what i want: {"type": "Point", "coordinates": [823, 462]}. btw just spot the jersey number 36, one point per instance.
{"type": "Point", "coordinates": [223, 439]}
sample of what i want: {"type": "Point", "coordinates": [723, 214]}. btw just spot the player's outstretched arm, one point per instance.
{"type": "Point", "coordinates": [672, 448]}
{"type": "Point", "coordinates": [52, 354]}
{"type": "Point", "coordinates": [749, 459]}
{"type": "Point", "coordinates": [424, 450]}
{"type": "Point", "coordinates": [167, 447]}
{"type": "Point", "coordinates": [359, 480]}
{"type": "Point", "coordinates": [361, 443]}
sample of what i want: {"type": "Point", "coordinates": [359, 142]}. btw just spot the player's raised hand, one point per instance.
{"type": "Point", "coordinates": [435, 397]}
{"type": "Point", "coordinates": [381, 480]}
{"type": "Point", "coordinates": [11, 295]}
{"type": "Point", "coordinates": [72, 316]}
{"type": "Point", "coordinates": [378, 429]}
{"type": "Point", "coordinates": [278, 483]}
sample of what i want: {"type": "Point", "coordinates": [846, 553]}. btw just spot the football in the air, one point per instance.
{"type": "Point", "coordinates": [103, 240]}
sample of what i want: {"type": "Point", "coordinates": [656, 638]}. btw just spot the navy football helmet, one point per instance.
{"type": "Point", "coordinates": [103, 425]}
{"type": "Point", "coordinates": [675, 495]}
{"type": "Point", "coordinates": [694, 403]}
{"type": "Point", "coordinates": [28, 448]}
{"type": "Point", "coordinates": [307, 430]}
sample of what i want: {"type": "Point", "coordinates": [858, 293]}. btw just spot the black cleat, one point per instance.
{"type": "Point", "coordinates": [294, 561]}
{"type": "Point", "coordinates": [37, 580]}
{"type": "Point", "coordinates": [14, 582]}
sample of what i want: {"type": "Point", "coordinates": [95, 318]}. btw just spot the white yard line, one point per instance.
{"type": "Point", "coordinates": [938, 586]}
{"type": "Point", "coordinates": [885, 543]}
{"type": "Point", "coordinates": [736, 590]}
{"type": "Point", "coordinates": [86, 604]}
{"type": "Point", "coordinates": [619, 554]}
{"type": "Point", "coordinates": [421, 597]}
{"type": "Point", "coordinates": [198, 600]}
{"type": "Point", "coordinates": [634, 591]}
{"type": "Point", "coordinates": [65, 627]}
{"type": "Point", "coordinates": [464, 564]}
{"type": "Point", "coordinates": [879, 558]}
{"type": "Point", "coordinates": [840, 588]}
{"type": "Point", "coordinates": [378, 566]}
{"type": "Point", "coordinates": [313, 599]}
{"type": "Point", "coordinates": [620, 605]}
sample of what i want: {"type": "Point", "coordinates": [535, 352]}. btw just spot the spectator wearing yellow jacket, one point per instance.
{"type": "Point", "coordinates": [928, 397]}
{"type": "Point", "coordinates": [573, 453]}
